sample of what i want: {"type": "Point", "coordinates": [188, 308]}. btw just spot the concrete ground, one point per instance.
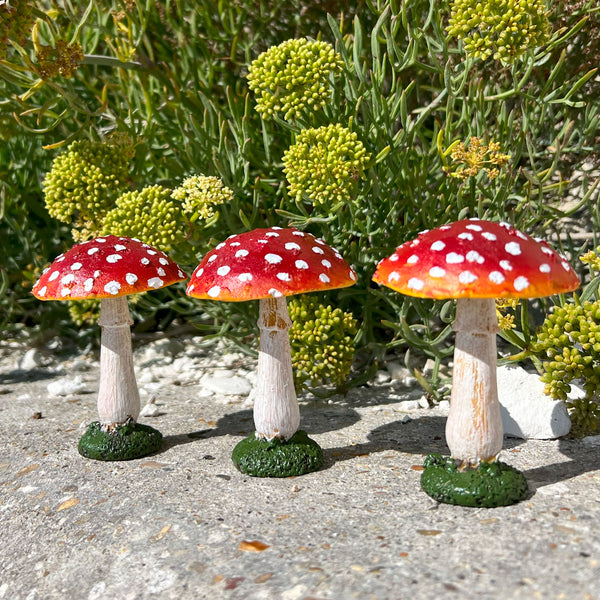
{"type": "Point", "coordinates": [184, 523]}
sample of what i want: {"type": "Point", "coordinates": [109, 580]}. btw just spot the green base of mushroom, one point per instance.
{"type": "Point", "coordinates": [489, 485]}
{"type": "Point", "coordinates": [278, 458]}
{"type": "Point", "coordinates": [125, 442]}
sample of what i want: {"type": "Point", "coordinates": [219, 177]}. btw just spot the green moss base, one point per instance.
{"type": "Point", "coordinates": [278, 458]}
{"type": "Point", "coordinates": [489, 485]}
{"type": "Point", "coordinates": [125, 442]}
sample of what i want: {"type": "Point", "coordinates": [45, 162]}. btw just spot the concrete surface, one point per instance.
{"type": "Point", "coordinates": [184, 523]}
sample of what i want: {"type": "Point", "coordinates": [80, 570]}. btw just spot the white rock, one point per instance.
{"type": "Point", "coordinates": [227, 385]}
{"type": "Point", "coordinates": [150, 409]}
{"type": "Point", "coordinates": [32, 359]}
{"type": "Point", "coordinates": [67, 386]}
{"type": "Point", "coordinates": [397, 370]}
{"type": "Point", "coordinates": [409, 405]}
{"type": "Point", "coordinates": [423, 402]}
{"type": "Point", "coordinates": [591, 440]}
{"type": "Point", "coordinates": [444, 407]}
{"type": "Point", "coordinates": [382, 377]}
{"type": "Point", "coordinates": [526, 411]}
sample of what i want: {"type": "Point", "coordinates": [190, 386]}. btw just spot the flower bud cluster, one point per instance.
{"type": "Point", "coordinates": [502, 29]}
{"type": "Point", "coordinates": [84, 182]}
{"type": "Point", "coordinates": [325, 164]}
{"type": "Point", "coordinates": [16, 21]}
{"type": "Point", "coordinates": [149, 214]}
{"type": "Point", "coordinates": [569, 345]}
{"type": "Point", "coordinates": [293, 76]}
{"type": "Point", "coordinates": [321, 340]}
{"type": "Point", "coordinates": [63, 59]}
{"type": "Point", "coordinates": [199, 195]}
{"type": "Point", "coordinates": [476, 157]}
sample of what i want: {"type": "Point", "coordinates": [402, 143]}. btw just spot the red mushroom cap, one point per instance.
{"type": "Point", "coordinates": [267, 263]}
{"type": "Point", "coordinates": [106, 267]}
{"type": "Point", "coordinates": [474, 258]}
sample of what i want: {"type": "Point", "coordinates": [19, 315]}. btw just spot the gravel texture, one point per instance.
{"type": "Point", "coordinates": [184, 523]}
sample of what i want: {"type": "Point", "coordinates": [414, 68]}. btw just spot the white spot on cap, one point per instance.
{"type": "Point", "coordinates": [263, 241]}
{"type": "Point", "coordinates": [474, 227]}
{"type": "Point", "coordinates": [275, 293]}
{"type": "Point", "coordinates": [301, 264]}
{"type": "Point", "coordinates": [411, 260]}
{"type": "Point", "coordinates": [120, 247]}
{"type": "Point", "coordinates": [439, 245]}
{"type": "Point", "coordinates": [275, 227]}
{"type": "Point", "coordinates": [212, 258]}
{"type": "Point", "coordinates": [394, 257]}
{"type": "Point", "coordinates": [352, 275]}
{"type": "Point", "coordinates": [245, 276]}
{"type": "Point", "coordinates": [273, 259]}
{"type": "Point", "coordinates": [214, 291]}
{"type": "Point", "coordinates": [112, 287]}
{"type": "Point", "coordinates": [191, 287]}
{"type": "Point", "coordinates": [155, 282]}
{"type": "Point", "coordinates": [42, 292]}
{"type": "Point", "coordinates": [161, 272]}
{"type": "Point", "coordinates": [284, 276]}
{"type": "Point", "coordinates": [437, 272]}
{"type": "Point", "coordinates": [545, 268]}
{"type": "Point", "coordinates": [445, 228]}
{"type": "Point", "coordinates": [513, 248]}
{"type": "Point", "coordinates": [131, 278]}
{"type": "Point", "coordinates": [199, 271]}
{"type": "Point", "coordinates": [467, 277]}
{"type": "Point", "coordinates": [320, 241]}
{"type": "Point", "coordinates": [222, 271]}
{"type": "Point", "coordinates": [415, 284]}
{"type": "Point", "coordinates": [235, 244]}
{"type": "Point", "coordinates": [565, 265]}
{"type": "Point", "coordinates": [70, 278]}
{"type": "Point", "coordinates": [317, 250]}
{"type": "Point", "coordinates": [163, 261]}
{"type": "Point", "coordinates": [45, 270]}
{"type": "Point", "coordinates": [271, 234]}
{"type": "Point", "coordinates": [496, 277]}
{"type": "Point", "coordinates": [492, 237]}
{"type": "Point", "coordinates": [100, 240]}
{"type": "Point", "coordinates": [145, 261]}
{"type": "Point", "coordinates": [53, 276]}
{"type": "Point", "coordinates": [151, 252]}
{"type": "Point", "coordinates": [219, 246]}
{"type": "Point", "coordinates": [324, 278]}
{"type": "Point", "coordinates": [521, 283]}
{"type": "Point", "coordinates": [474, 256]}
{"type": "Point", "coordinates": [76, 266]}
{"type": "Point", "coordinates": [394, 276]}
{"type": "Point", "coordinates": [298, 233]}
{"type": "Point", "coordinates": [292, 246]}
{"type": "Point", "coordinates": [465, 236]}
{"type": "Point", "coordinates": [65, 292]}
{"type": "Point", "coordinates": [452, 258]}
{"type": "Point", "coordinates": [180, 273]}
{"type": "Point", "coordinates": [326, 263]}
{"type": "Point", "coordinates": [113, 258]}
{"type": "Point", "coordinates": [547, 250]}
{"type": "Point", "coordinates": [241, 253]}
{"type": "Point", "coordinates": [505, 264]}
{"type": "Point", "coordinates": [521, 235]}
{"type": "Point", "coordinates": [97, 274]}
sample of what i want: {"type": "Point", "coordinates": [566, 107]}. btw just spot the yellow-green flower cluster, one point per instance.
{"type": "Point", "coordinates": [502, 29]}
{"type": "Point", "coordinates": [321, 340]}
{"type": "Point", "coordinates": [149, 214]}
{"type": "Point", "coordinates": [592, 259]}
{"type": "Point", "coordinates": [569, 345]}
{"type": "Point", "coordinates": [85, 181]}
{"type": "Point", "coordinates": [325, 164]}
{"type": "Point", "coordinates": [199, 195]}
{"type": "Point", "coordinates": [63, 59]}
{"type": "Point", "coordinates": [478, 156]}
{"type": "Point", "coordinates": [16, 21]}
{"type": "Point", "coordinates": [293, 76]}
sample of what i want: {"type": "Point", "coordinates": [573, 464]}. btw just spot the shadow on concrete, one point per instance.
{"type": "Point", "coordinates": [25, 376]}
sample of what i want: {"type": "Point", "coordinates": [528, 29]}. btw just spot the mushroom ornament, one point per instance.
{"type": "Point", "coordinates": [110, 268]}
{"type": "Point", "coordinates": [268, 265]}
{"type": "Point", "coordinates": [475, 261]}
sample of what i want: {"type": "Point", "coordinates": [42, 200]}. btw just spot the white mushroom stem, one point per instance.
{"type": "Point", "coordinates": [118, 396]}
{"type": "Point", "coordinates": [276, 412]}
{"type": "Point", "coordinates": [474, 426]}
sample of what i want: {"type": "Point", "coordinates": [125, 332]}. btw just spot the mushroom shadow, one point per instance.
{"type": "Point", "coordinates": [25, 376]}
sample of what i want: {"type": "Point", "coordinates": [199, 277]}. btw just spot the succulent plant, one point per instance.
{"type": "Point", "coordinates": [325, 164]}
{"type": "Point", "coordinates": [502, 29]}
{"type": "Point", "coordinates": [293, 76]}
{"type": "Point", "coordinates": [321, 339]}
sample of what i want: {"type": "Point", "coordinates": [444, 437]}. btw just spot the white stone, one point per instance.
{"type": "Point", "coordinates": [227, 385]}
{"type": "Point", "coordinates": [150, 409]}
{"type": "Point", "coordinates": [32, 359]}
{"type": "Point", "coordinates": [591, 440]}
{"type": "Point", "coordinates": [444, 407]}
{"type": "Point", "coordinates": [397, 370]}
{"type": "Point", "coordinates": [526, 411]}
{"type": "Point", "coordinates": [67, 386]}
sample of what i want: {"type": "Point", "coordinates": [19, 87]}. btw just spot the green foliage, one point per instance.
{"type": "Point", "coordinates": [502, 29]}
{"type": "Point", "coordinates": [16, 20]}
{"type": "Point", "coordinates": [149, 215]}
{"type": "Point", "coordinates": [324, 165]}
{"type": "Point", "coordinates": [293, 76]}
{"type": "Point", "coordinates": [322, 342]}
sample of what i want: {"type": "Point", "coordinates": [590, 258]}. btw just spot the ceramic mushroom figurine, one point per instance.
{"type": "Point", "coordinates": [111, 268]}
{"type": "Point", "coordinates": [268, 265]}
{"type": "Point", "coordinates": [475, 261]}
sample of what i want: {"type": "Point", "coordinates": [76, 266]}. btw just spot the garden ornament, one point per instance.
{"type": "Point", "coordinates": [268, 265]}
{"type": "Point", "coordinates": [111, 268]}
{"type": "Point", "coordinates": [475, 261]}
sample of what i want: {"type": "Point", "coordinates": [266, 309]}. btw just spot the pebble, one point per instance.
{"type": "Point", "coordinates": [526, 411]}
{"type": "Point", "coordinates": [32, 359]}
{"type": "Point", "coordinates": [227, 384]}
{"type": "Point", "coordinates": [150, 409]}
{"type": "Point", "coordinates": [67, 386]}
{"type": "Point", "coordinates": [591, 440]}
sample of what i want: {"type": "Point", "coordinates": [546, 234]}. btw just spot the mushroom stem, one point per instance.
{"type": "Point", "coordinates": [276, 412]}
{"type": "Point", "coordinates": [118, 396]}
{"type": "Point", "coordinates": [474, 426]}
